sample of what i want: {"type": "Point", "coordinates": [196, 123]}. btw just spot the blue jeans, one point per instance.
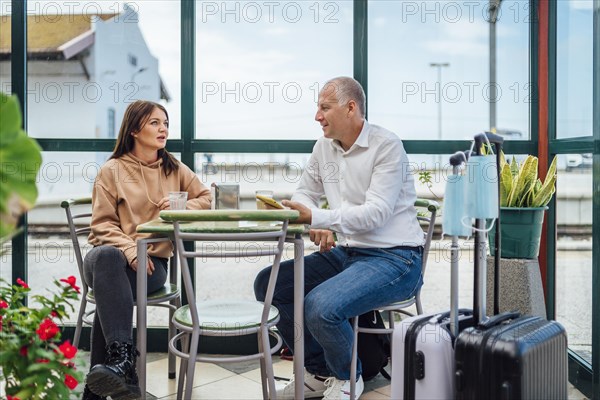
{"type": "Point", "coordinates": [340, 284]}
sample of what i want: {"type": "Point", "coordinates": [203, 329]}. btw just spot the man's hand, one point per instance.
{"type": "Point", "coordinates": [149, 265]}
{"type": "Point", "coordinates": [322, 238]}
{"type": "Point", "coordinates": [305, 213]}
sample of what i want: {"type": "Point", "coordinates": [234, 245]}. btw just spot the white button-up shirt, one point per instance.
{"type": "Point", "coordinates": [370, 190]}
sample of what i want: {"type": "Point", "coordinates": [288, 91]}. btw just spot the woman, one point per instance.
{"type": "Point", "coordinates": [130, 189]}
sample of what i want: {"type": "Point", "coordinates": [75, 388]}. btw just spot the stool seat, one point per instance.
{"type": "Point", "coordinates": [170, 290]}
{"type": "Point", "coordinates": [226, 315]}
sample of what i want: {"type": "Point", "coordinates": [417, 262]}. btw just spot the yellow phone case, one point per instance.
{"type": "Point", "coordinates": [269, 201]}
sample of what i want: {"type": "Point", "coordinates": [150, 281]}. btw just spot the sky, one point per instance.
{"type": "Point", "coordinates": [260, 64]}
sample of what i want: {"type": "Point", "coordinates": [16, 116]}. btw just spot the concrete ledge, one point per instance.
{"type": "Point", "coordinates": [520, 287]}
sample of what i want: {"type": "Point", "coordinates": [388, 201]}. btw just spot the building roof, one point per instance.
{"type": "Point", "coordinates": [57, 37]}
{"type": "Point", "coordinates": [47, 35]}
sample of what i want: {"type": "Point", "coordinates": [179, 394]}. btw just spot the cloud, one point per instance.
{"type": "Point", "coordinates": [587, 5]}
{"type": "Point", "coordinates": [276, 31]}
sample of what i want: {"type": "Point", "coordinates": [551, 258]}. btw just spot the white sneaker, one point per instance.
{"type": "Point", "coordinates": [314, 386]}
{"type": "Point", "coordinates": [340, 390]}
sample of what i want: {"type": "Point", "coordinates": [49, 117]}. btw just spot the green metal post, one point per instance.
{"type": "Point", "coordinates": [188, 96]}
{"type": "Point", "coordinates": [360, 45]}
{"type": "Point", "coordinates": [596, 207]}
{"type": "Point", "coordinates": [19, 87]}
{"type": "Point", "coordinates": [551, 233]}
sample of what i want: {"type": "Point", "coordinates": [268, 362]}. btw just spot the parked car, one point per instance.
{"type": "Point", "coordinates": [585, 160]}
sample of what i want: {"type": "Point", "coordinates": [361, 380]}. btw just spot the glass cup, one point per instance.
{"type": "Point", "coordinates": [260, 205]}
{"type": "Point", "coordinates": [177, 200]}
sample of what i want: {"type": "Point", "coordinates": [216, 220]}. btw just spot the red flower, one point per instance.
{"type": "Point", "coordinates": [3, 304]}
{"type": "Point", "coordinates": [22, 283]}
{"type": "Point", "coordinates": [47, 329]}
{"type": "Point", "coordinates": [23, 351]}
{"type": "Point", "coordinates": [70, 382]}
{"type": "Point", "coordinates": [9, 397]}
{"type": "Point", "coordinates": [71, 280]}
{"type": "Point", "coordinates": [54, 314]}
{"type": "Point", "coordinates": [67, 349]}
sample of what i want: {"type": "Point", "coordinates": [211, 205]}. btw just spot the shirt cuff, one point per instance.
{"type": "Point", "coordinates": [321, 218]}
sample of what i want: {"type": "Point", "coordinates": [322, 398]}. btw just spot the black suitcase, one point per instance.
{"type": "Point", "coordinates": [511, 357]}
{"type": "Point", "coordinates": [507, 356]}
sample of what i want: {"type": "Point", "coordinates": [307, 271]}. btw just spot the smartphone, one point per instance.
{"type": "Point", "coordinates": [269, 201]}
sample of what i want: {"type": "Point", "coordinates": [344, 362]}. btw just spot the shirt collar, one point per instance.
{"type": "Point", "coordinates": [361, 141]}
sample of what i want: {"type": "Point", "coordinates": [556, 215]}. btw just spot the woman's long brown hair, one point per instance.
{"type": "Point", "coordinates": [136, 115]}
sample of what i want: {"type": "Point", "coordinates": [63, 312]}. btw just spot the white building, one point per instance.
{"type": "Point", "coordinates": [83, 71]}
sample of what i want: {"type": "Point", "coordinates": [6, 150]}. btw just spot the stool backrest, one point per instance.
{"type": "Point", "coordinates": [260, 227]}
{"type": "Point", "coordinates": [432, 208]}
{"type": "Point", "coordinates": [78, 214]}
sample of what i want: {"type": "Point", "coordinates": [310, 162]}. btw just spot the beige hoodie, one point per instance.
{"type": "Point", "coordinates": [123, 197]}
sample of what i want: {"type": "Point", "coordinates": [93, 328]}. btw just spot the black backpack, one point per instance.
{"type": "Point", "coordinates": [373, 350]}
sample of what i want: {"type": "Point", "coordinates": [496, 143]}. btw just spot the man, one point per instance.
{"type": "Point", "coordinates": [363, 171]}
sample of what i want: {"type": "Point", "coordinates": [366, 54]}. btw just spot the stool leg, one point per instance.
{"type": "Point", "coordinates": [264, 379]}
{"type": "Point", "coordinates": [79, 326]}
{"type": "Point", "coordinates": [354, 363]}
{"type": "Point", "coordinates": [185, 348]}
{"type": "Point", "coordinates": [191, 366]}
{"type": "Point", "coordinates": [175, 303]}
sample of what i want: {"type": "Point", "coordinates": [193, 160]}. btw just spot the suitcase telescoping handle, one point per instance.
{"type": "Point", "coordinates": [456, 160]}
{"type": "Point", "coordinates": [480, 276]}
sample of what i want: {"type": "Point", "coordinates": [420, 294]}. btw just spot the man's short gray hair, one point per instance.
{"type": "Point", "coordinates": [347, 89]}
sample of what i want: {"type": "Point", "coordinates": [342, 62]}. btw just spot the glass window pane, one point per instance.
{"type": "Point", "coordinates": [574, 42]}
{"type": "Point", "coordinates": [433, 82]}
{"type": "Point", "coordinates": [574, 252]}
{"type": "Point", "coordinates": [259, 66]}
{"type": "Point", "coordinates": [512, 70]}
{"type": "Point", "coordinates": [277, 172]}
{"type": "Point", "coordinates": [88, 57]}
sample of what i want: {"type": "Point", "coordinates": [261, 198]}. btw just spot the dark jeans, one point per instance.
{"type": "Point", "coordinates": [107, 273]}
{"type": "Point", "coordinates": [340, 284]}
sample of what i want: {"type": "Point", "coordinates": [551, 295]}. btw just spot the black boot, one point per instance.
{"type": "Point", "coordinates": [89, 395]}
{"type": "Point", "coordinates": [117, 378]}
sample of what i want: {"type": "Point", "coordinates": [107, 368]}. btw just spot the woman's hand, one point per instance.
{"type": "Point", "coordinates": [149, 265]}
{"type": "Point", "coordinates": [163, 204]}
{"type": "Point", "coordinates": [322, 238]}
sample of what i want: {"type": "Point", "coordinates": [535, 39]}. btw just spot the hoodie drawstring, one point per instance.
{"type": "Point", "coordinates": [146, 185]}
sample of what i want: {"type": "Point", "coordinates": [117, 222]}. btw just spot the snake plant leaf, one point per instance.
{"type": "Point", "coordinates": [543, 196]}
{"type": "Point", "coordinates": [514, 167]}
{"type": "Point", "coordinates": [502, 160]}
{"type": "Point", "coordinates": [506, 184]}
{"type": "Point", "coordinates": [525, 180]}
{"type": "Point", "coordinates": [20, 160]}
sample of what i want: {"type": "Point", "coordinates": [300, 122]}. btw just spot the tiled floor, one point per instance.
{"type": "Point", "coordinates": [235, 381]}
{"type": "Point", "coordinates": [242, 381]}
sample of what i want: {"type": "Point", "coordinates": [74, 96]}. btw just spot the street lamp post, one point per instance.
{"type": "Point", "coordinates": [439, 67]}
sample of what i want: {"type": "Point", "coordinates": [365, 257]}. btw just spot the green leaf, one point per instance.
{"type": "Point", "coordinates": [525, 180]}
{"type": "Point", "coordinates": [20, 160]}
{"type": "Point", "coordinates": [506, 184]}
{"type": "Point", "coordinates": [545, 193]}
{"type": "Point", "coordinates": [514, 167]}
{"type": "Point", "coordinates": [10, 119]}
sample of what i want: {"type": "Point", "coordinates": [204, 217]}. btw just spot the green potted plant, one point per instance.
{"type": "Point", "coordinates": [523, 201]}
{"type": "Point", "coordinates": [20, 159]}
{"type": "Point", "coordinates": [34, 362]}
